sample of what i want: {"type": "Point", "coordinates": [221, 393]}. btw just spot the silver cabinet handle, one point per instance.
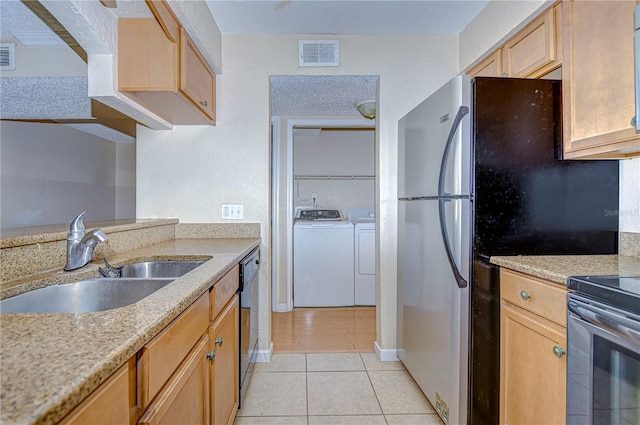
{"type": "Point", "coordinates": [559, 351]}
{"type": "Point", "coordinates": [525, 295]}
{"type": "Point", "coordinates": [204, 103]}
{"type": "Point", "coordinates": [219, 341]}
{"type": "Point", "coordinates": [212, 355]}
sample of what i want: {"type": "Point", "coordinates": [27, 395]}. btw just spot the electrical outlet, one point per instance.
{"type": "Point", "coordinates": [232, 211]}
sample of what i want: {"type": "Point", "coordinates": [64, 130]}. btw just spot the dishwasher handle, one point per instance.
{"type": "Point", "coordinates": [249, 267]}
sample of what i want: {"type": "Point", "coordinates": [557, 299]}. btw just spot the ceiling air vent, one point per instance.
{"type": "Point", "coordinates": [318, 53]}
{"type": "Point", "coordinates": [6, 57]}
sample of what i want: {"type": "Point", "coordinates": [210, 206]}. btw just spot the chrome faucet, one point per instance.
{"type": "Point", "coordinates": [80, 245]}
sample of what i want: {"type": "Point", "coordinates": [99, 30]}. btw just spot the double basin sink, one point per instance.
{"type": "Point", "coordinates": [137, 281]}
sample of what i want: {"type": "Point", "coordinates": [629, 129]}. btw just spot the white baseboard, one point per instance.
{"type": "Point", "coordinates": [264, 356]}
{"type": "Point", "coordinates": [386, 354]}
{"type": "Point", "coordinates": [281, 308]}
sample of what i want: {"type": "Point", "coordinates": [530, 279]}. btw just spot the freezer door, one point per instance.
{"type": "Point", "coordinates": [432, 310]}
{"type": "Point", "coordinates": [422, 137]}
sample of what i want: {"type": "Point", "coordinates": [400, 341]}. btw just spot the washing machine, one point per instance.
{"type": "Point", "coordinates": [323, 258]}
{"type": "Point", "coordinates": [364, 221]}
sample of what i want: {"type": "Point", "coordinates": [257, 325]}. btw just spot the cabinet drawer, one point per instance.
{"type": "Point", "coordinates": [223, 290]}
{"type": "Point", "coordinates": [109, 404]}
{"type": "Point", "coordinates": [164, 353]}
{"type": "Point", "coordinates": [535, 295]}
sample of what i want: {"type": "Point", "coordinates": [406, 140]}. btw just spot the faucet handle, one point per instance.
{"type": "Point", "coordinates": [77, 229]}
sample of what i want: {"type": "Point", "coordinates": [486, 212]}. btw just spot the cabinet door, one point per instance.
{"type": "Point", "coordinates": [146, 57]}
{"type": "Point", "coordinates": [224, 367]}
{"type": "Point", "coordinates": [185, 398]}
{"type": "Point", "coordinates": [598, 79]}
{"type": "Point", "coordinates": [532, 376]}
{"type": "Point", "coordinates": [491, 66]}
{"type": "Point", "coordinates": [532, 52]}
{"type": "Point", "coordinates": [197, 81]}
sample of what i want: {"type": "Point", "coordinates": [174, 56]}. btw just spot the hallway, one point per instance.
{"type": "Point", "coordinates": [324, 371]}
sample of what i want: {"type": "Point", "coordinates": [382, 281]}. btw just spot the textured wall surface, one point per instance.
{"type": "Point", "coordinates": [200, 168]}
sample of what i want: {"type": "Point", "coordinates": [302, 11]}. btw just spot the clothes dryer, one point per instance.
{"type": "Point", "coordinates": [364, 271]}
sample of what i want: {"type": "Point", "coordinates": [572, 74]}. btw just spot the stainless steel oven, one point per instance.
{"type": "Point", "coordinates": [603, 361]}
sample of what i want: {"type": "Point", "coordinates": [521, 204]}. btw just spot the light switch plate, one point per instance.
{"type": "Point", "coordinates": [232, 211]}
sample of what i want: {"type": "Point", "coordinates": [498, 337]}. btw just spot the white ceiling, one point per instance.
{"type": "Point", "coordinates": [350, 17]}
{"type": "Point", "coordinates": [336, 95]}
{"type": "Point", "coordinates": [297, 95]}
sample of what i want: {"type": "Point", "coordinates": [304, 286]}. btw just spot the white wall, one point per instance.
{"type": "Point", "coordinates": [44, 61]}
{"type": "Point", "coordinates": [335, 153]}
{"type": "Point", "coordinates": [189, 172]}
{"type": "Point", "coordinates": [630, 195]}
{"type": "Point", "coordinates": [52, 172]}
{"type": "Point", "coordinates": [125, 180]}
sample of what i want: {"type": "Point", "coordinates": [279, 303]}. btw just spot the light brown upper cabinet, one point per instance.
{"type": "Point", "coordinates": [598, 80]}
{"type": "Point", "coordinates": [537, 49]}
{"type": "Point", "coordinates": [491, 66]}
{"type": "Point", "coordinates": [533, 52]}
{"type": "Point", "coordinates": [161, 68]}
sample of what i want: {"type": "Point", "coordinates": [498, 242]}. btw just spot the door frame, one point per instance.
{"type": "Point", "coordinates": [286, 164]}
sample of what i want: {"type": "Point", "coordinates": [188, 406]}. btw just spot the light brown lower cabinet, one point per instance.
{"type": "Point", "coordinates": [187, 374]}
{"type": "Point", "coordinates": [223, 337]}
{"type": "Point", "coordinates": [532, 350]}
{"type": "Point", "coordinates": [185, 398]}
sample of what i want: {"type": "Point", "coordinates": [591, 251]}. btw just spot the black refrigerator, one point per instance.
{"type": "Point", "coordinates": [480, 175]}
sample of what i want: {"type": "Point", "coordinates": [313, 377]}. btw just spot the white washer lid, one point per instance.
{"type": "Point", "coordinates": [319, 224]}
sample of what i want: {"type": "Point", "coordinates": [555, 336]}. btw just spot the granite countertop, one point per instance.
{"type": "Point", "coordinates": [19, 236]}
{"type": "Point", "coordinates": [558, 268]}
{"type": "Point", "coordinates": [51, 362]}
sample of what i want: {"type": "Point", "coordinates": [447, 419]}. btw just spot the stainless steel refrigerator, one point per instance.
{"type": "Point", "coordinates": [480, 175]}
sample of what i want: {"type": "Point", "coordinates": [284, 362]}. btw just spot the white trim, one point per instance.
{"type": "Point", "coordinates": [275, 212]}
{"type": "Point", "coordinates": [385, 354]}
{"type": "Point", "coordinates": [281, 308]}
{"type": "Point", "coordinates": [308, 123]}
{"type": "Point", "coordinates": [264, 356]}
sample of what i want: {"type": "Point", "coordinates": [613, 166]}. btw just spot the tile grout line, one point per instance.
{"type": "Point", "coordinates": [374, 389]}
{"type": "Point", "coordinates": [306, 380]}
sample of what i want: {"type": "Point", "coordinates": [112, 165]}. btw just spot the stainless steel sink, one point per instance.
{"type": "Point", "coordinates": [84, 297]}
{"type": "Point", "coordinates": [152, 269]}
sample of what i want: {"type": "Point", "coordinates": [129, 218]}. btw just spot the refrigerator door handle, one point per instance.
{"type": "Point", "coordinates": [462, 111]}
{"type": "Point", "coordinates": [461, 281]}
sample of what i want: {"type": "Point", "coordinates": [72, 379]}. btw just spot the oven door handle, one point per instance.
{"type": "Point", "coordinates": [617, 324]}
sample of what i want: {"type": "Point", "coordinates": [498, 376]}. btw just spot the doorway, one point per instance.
{"type": "Point", "coordinates": [308, 107]}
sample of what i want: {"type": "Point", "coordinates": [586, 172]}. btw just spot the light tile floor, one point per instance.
{"type": "Point", "coordinates": [333, 388]}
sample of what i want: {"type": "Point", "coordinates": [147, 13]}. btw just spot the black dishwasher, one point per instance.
{"type": "Point", "coordinates": [248, 290]}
